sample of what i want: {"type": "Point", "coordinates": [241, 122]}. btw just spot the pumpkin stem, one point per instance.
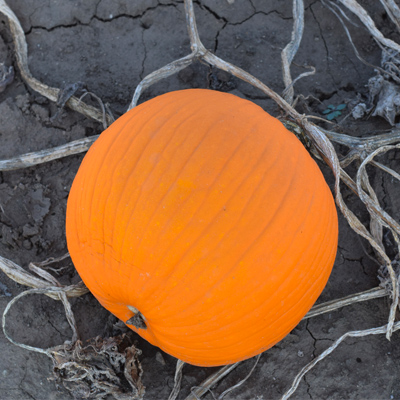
{"type": "Point", "coordinates": [138, 320]}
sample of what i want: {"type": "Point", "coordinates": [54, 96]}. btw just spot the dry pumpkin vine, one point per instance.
{"type": "Point", "coordinates": [188, 216]}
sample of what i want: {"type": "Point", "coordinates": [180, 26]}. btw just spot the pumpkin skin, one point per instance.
{"type": "Point", "coordinates": [204, 213]}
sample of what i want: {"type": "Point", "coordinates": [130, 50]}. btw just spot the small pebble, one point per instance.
{"type": "Point", "coordinates": [160, 358]}
{"type": "Point", "coordinates": [4, 292]}
{"type": "Point", "coordinates": [27, 244]}
{"type": "Point", "coordinates": [29, 230]}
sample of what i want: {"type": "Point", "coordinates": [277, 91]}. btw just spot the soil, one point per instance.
{"type": "Point", "coordinates": [110, 45]}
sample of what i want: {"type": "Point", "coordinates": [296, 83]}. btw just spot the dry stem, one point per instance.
{"type": "Point", "coordinates": [290, 50]}
{"type": "Point", "coordinates": [18, 274]}
{"type": "Point", "coordinates": [56, 293]}
{"type": "Point", "coordinates": [21, 51]}
{"type": "Point", "coordinates": [213, 379]}
{"type": "Point", "coordinates": [334, 305]}
{"type": "Point", "coordinates": [177, 380]}
{"type": "Point", "coordinates": [364, 17]}
{"type": "Point", "coordinates": [43, 156]}
{"type": "Point", "coordinates": [393, 11]}
{"type": "Point", "coordinates": [308, 367]}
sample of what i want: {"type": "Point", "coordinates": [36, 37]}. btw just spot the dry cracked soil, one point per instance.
{"type": "Point", "coordinates": [110, 45]}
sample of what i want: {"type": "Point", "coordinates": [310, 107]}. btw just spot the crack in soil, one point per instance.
{"type": "Point", "coordinates": [20, 385]}
{"type": "Point", "coordinates": [308, 329]}
{"type": "Point", "coordinates": [251, 3]}
{"type": "Point", "coordinates": [354, 66]}
{"type": "Point", "coordinates": [359, 259]}
{"type": "Point", "coordinates": [27, 393]}
{"type": "Point", "coordinates": [97, 7]}
{"type": "Point", "coordinates": [363, 268]}
{"type": "Point", "coordinates": [216, 38]}
{"type": "Point", "coordinates": [328, 70]}
{"type": "Point", "coordinates": [226, 22]}
{"type": "Point", "coordinates": [313, 338]}
{"type": "Point", "coordinates": [308, 386]}
{"type": "Point", "coordinates": [95, 17]}
{"type": "Point", "coordinates": [280, 15]}
{"type": "Point", "coordinates": [133, 16]}
{"type": "Point", "coordinates": [43, 28]}
{"type": "Point", "coordinates": [49, 321]}
{"type": "Point", "coordinates": [216, 42]}
{"type": "Point", "coordinates": [141, 74]}
{"type": "Point", "coordinates": [212, 12]}
{"type": "Point", "coordinates": [20, 389]}
{"type": "Point", "coordinates": [349, 259]}
{"type": "Point", "coordinates": [262, 13]}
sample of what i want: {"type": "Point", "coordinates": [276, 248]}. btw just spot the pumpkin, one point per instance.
{"type": "Point", "coordinates": [203, 223]}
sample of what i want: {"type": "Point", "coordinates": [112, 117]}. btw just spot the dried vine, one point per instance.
{"type": "Point", "coordinates": [21, 52]}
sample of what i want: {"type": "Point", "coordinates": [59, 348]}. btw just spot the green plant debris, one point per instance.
{"type": "Point", "coordinates": [333, 112]}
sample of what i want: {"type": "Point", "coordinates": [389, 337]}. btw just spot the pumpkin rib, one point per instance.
{"type": "Point", "coordinates": [230, 271]}
{"type": "Point", "coordinates": [188, 195]}
{"type": "Point", "coordinates": [307, 277]}
{"type": "Point", "coordinates": [129, 150]}
{"type": "Point", "coordinates": [127, 185]}
{"type": "Point", "coordinates": [320, 248]}
{"type": "Point", "coordinates": [244, 299]}
{"type": "Point", "coordinates": [261, 305]}
{"type": "Point", "coordinates": [248, 338]}
{"type": "Point", "coordinates": [183, 232]}
{"type": "Point", "coordinates": [186, 345]}
{"type": "Point", "coordinates": [168, 191]}
{"type": "Point", "coordinates": [167, 144]}
{"type": "Point", "coordinates": [105, 215]}
{"type": "Point", "coordinates": [215, 178]}
{"type": "Point", "coordinates": [235, 266]}
{"type": "Point", "coordinates": [210, 223]}
{"type": "Point", "coordinates": [216, 283]}
{"type": "Point", "coordinates": [107, 154]}
{"type": "Point", "coordinates": [104, 165]}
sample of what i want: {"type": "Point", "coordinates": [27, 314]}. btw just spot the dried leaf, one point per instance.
{"type": "Point", "coordinates": [104, 367]}
{"type": "Point", "coordinates": [388, 99]}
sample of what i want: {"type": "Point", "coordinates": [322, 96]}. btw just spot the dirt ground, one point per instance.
{"type": "Point", "coordinates": [110, 45]}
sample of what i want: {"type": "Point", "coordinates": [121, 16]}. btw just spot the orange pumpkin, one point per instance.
{"type": "Point", "coordinates": [203, 223]}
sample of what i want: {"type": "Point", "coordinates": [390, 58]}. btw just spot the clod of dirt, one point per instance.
{"type": "Point", "coordinates": [6, 76]}
{"type": "Point", "coordinates": [38, 204]}
{"type": "Point", "coordinates": [4, 290]}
